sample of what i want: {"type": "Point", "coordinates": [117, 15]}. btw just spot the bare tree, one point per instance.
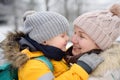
{"type": "Point", "coordinates": [15, 13]}
{"type": "Point", "coordinates": [79, 7]}
{"type": "Point", "coordinates": [19, 6]}
{"type": "Point", "coordinates": [31, 5]}
{"type": "Point", "coordinates": [46, 3]}
{"type": "Point", "coordinates": [66, 9]}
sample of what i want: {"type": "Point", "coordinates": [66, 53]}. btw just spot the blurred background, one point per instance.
{"type": "Point", "coordinates": [11, 11]}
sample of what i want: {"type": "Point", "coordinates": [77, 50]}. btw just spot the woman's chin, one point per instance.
{"type": "Point", "coordinates": [76, 52]}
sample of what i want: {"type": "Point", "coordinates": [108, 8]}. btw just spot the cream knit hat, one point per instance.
{"type": "Point", "coordinates": [102, 26]}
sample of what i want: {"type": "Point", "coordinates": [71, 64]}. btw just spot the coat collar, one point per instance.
{"type": "Point", "coordinates": [32, 54]}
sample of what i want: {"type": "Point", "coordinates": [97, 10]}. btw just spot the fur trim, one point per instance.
{"type": "Point", "coordinates": [111, 62]}
{"type": "Point", "coordinates": [115, 9]}
{"type": "Point", "coordinates": [11, 49]}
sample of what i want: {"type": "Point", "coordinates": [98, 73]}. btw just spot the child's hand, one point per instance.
{"type": "Point", "coordinates": [89, 61]}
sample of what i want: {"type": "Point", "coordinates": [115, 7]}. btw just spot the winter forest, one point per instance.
{"type": "Point", "coordinates": [11, 11]}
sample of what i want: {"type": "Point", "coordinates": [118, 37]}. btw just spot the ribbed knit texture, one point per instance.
{"type": "Point", "coordinates": [42, 26]}
{"type": "Point", "coordinates": [102, 26]}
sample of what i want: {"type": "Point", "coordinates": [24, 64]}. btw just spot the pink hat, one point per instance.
{"type": "Point", "coordinates": [102, 26]}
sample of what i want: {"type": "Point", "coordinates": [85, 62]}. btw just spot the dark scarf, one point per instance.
{"type": "Point", "coordinates": [49, 51]}
{"type": "Point", "coordinates": [69, 58]}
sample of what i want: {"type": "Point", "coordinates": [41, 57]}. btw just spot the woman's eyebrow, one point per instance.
{"type": "Point", "coordinates": [81, 32]}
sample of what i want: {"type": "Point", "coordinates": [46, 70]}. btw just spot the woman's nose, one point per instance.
{"type": "Point", "coordinates": [74, 39]}
{"type": "Point", "coordinates": [67, 38]}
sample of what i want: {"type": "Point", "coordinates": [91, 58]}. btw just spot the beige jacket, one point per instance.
{"type": "Point", "coordinates": [110, 68]}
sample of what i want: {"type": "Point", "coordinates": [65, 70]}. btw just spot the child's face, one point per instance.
{"type": "Point", "coordinates": [82, 42]}
{"type": "Point", "coordinates": [59, 41]}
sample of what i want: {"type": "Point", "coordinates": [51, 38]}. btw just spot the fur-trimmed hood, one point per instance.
{"type": "Point", "coordinates": [11, 49]}
{"type": "Point", "coordinates": [111, 62]}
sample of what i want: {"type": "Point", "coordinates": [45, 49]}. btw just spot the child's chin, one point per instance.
{"type": "Point", "coordinates": [63, 49]}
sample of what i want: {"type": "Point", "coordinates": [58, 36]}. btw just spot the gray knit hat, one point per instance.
{"type": "Point", "coordinates": [103, 26]}
{"type": "Point", "coordinates": [42, 26]}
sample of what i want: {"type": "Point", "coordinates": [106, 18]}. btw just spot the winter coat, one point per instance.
{"type": "Point", "coordinates": [107, 70]}
{"type": "Point", "coordinates": [110, 68]}
{"type": "Point", "coordinates": [2, 60]}
{"type": "Point", "coordinates": [31, 69]}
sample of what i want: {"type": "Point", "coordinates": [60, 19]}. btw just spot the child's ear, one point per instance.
{"type": "Point", "coordinates": [44, 43]}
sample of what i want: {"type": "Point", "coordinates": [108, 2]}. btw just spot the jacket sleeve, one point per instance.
{"type": "Point", "coordinates": [110, 75]}
{"type": "Point", "coordinates": [74, 73]}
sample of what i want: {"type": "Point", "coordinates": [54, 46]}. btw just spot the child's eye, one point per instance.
{"type": "Point", "coordinates": [62, 35]}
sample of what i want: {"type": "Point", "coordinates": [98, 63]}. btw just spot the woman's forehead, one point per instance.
{"type": "Point", "coordinates": [78, 29]}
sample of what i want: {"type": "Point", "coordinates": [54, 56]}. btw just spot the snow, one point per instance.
{"type": "Point", "coordinates": [3, 31]}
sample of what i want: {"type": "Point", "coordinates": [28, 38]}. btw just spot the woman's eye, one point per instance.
{"type": "Point", "coordinates": [74, 32]}
{"type": "Point", "coordinates": [81, 36]}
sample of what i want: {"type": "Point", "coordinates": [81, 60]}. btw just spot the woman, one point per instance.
{"type": "Point", "coordinates": [95, 32]}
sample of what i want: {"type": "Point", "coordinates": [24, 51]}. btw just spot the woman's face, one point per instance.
{"type": "Point", "coordinates": [82, 42]}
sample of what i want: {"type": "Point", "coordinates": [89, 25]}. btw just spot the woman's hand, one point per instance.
{"type": "Point", "coordinates": [89, 61]}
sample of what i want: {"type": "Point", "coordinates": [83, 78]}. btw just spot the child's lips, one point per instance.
{"type": "Point", "coordinates": [65, 44]}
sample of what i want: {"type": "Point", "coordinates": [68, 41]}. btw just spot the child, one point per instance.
{"type": "Point", "coordinates": [45, 34]}
{"type": "Point", "coordinates": [94, 32]}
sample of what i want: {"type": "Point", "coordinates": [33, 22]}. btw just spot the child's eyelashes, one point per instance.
{"type": "Point", "coordinates": [62, 35]}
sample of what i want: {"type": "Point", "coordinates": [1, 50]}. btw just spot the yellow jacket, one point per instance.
{"type": "Point", "coordinates": [37, 70]}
